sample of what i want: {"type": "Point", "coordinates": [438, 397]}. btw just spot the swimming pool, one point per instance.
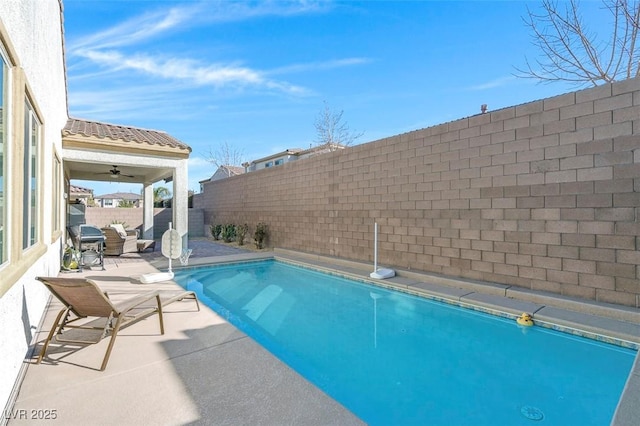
{"type": "Point", "coordinates": [393, 358]}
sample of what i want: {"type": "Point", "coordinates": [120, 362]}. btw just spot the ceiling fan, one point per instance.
{"type": "Point", "coordinates": [115, 173]}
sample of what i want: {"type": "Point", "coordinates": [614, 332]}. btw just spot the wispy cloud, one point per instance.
{"type": "Point", "coordinates": [111, 51]}
{"type": "Point", "coordinates": [498, 82]}
{"type": "Point", "coordinates": [128, 104]}
{"type": "Point", "coordinates": [230, 11]}
{"type": "Point", "coordinates": [136, 30]}
{"type": "Point", "coordinates": [320, 66]}
{"type": "Point", "coordinates": [153, 24]}
{"type": "Point", "coordinates": [190, 71]}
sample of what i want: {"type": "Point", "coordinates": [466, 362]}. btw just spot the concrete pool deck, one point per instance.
{"type": "Point", "coordinates": [158, 379]}
{"type": "Point", "coordinates": [201, 371]}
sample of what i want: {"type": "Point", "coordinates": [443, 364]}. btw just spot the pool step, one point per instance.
{"type": "Point", "coordinates": [269, 308]}
{"type": "Point", "coordinates": [261, 301]}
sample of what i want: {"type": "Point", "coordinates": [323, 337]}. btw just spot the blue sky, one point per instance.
{"type": "Point", "coordinates": [255, 75]}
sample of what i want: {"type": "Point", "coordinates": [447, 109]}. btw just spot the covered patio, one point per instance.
{"type": "Point", "coordinates": [108, 152]}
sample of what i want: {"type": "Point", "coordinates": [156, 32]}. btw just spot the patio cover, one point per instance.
{"type": "Point", "coordinates": [90, 149]}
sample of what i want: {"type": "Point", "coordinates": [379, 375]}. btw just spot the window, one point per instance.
{"type": "Point", "coordinates": [269, 164]}
{"type": "Point", "coordinates": [280, 161]}
{"type": "Point", "coordinates": [4, 93]}
{"type": "Point", "coordinates": [30, 200]}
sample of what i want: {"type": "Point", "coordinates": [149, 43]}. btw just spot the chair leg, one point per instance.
{"type": "Point", "coordinates": [54, 327]}
{"type": "Point", "coordinates": [112, 340]}
{"type": "Point", "coordinates": [114, 333]}
{"type": "Point", "coordinates": [195, 298]}
{"type": "Point", "coordinates": [161, 319]}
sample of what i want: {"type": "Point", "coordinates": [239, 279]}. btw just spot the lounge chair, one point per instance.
{"type": "Point", "coordinates": [119, 241]}
{"type": "Point", "coordinates": [83, 298]}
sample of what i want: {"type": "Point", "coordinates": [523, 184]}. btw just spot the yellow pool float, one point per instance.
{"type": "Point", "coordinates": [525, 319]}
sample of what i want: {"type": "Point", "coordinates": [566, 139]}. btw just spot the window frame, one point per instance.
{"type": "Point", "coordinates": [31, 174]}
{"type": "Point", "coordinates": [56, 201]}
{"type": "Point", "coordinates": [5, 106]}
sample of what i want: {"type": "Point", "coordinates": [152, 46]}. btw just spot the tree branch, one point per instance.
{"type": "Point", "coordinates": [571, 52]}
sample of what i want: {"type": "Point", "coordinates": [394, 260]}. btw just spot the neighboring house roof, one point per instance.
{"type": "Point", "coordinates": [233, 170]}
{"type": "Point", "coordinates": [321, 149]}
{"type": "Point", "coordinates": [120, 196]}
{"type": "Point", "coordinates": [78, 190]}
{"type": "Point", "coordinates": [225, 172]}
{"type": "Point", "coordinates": [114, 132]}
{"type": "Point", "coordinates": [292, 151]}
{"type": "Point", "coordinates": [299, 152]}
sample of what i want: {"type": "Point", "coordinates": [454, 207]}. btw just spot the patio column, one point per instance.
{"type": "Point", "coordinates": [180, 206]}
{"type": "Point", "coordinates": [147, 214]}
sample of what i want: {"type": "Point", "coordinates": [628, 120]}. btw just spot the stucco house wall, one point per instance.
{"type": "Point", "coordinates": [31, 33]}
{"type": "Point", "coordinates": [543, 195]}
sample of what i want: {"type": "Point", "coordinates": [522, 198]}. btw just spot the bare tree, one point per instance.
{"type": "Point", "coordinates": [225, 155]}
{"type": "Point", "coordinates": [331, 131]}
{"type": "Point", "coordinates": [571, 52]}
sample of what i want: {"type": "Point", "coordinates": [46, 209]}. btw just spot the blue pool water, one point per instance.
{"type": "Point", "coordinates": [392, 358]}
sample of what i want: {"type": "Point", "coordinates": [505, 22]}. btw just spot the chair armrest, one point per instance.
{"type": "Point", "coordinates": [132, 232]}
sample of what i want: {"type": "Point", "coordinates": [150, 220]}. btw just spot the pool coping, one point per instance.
{"type": "Point", "coordinates": [608, 323]}
{"type": "Point", "coordinates": [614, 324]}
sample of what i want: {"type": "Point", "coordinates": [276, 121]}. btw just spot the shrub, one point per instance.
{"type": "Point", "coordinates": [228, 233]}
{"type": "Point", "coordinates": [241, 232]}
{"type": "Point", "coordinates": [261, 234]}
{"type": "Point", "coordinates": [216, 230]}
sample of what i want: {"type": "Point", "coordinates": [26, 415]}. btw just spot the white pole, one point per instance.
{"type": "Point", "coordinates": [171, 243]}
{"type": "Point", "coordinates": [375, 246]}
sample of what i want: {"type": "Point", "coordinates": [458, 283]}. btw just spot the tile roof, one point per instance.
{"type": "Point", "coordinates": [233, 170]}
{"type": "Point", "coordinates": [100, 130]}
{"type": "Point", "coordinates": [75, 189]}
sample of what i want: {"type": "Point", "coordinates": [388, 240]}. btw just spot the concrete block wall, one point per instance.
{"type": "Point", "coordinates": [132, 217]}
{"type": "Point", "coordinates": [101, 216]}
{"type": "Point", "coordinates": [544, 195]}
{"type": "Point", "coordinates": [162, 217]}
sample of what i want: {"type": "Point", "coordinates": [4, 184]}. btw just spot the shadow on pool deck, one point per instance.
{"type": "Point", "coordinates": [204, 371]}
{"type": "Point", "coordinates": [201, 371]}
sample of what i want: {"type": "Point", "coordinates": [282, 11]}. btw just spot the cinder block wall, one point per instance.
{"type": "Point", "coordinates": [132, 217]}
{"type": "Point", "coordinates": [544, 195]}
{"type": "Point", "coordinates": [101, 216]}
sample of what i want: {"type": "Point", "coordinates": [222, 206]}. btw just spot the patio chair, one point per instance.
{"type": "Point", "coordinates": [83, 298]}
{"type": "Point", "coordinates": [119, 241]}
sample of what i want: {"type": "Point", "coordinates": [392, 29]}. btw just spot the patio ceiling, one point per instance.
{"type": "Point", "coordinates": [129, 173]}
